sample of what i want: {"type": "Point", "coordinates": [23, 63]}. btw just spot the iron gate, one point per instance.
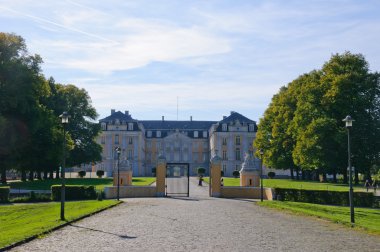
{"type": "Point", "coordinates": [177, 181]}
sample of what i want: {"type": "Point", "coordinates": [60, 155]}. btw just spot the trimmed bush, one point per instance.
{"type": "Point", "coordinates": [73, 192]}
{"type": "Point", "coordinates": [222, 173]}
{"type": "Point", "coordinates": [100, 173]}
{"type": "Point", "coordinates": [271, 174]}
{"type": "Point", "coordinates": [236, 173]}
{"type": "Point", "coordinates": [4, 194]}
{"type": "Point", "coordinates": [361, 199]}
{"type": "Point", "coordinates": [201, 171]}
{"type": "Point", "coordinates": [82, 174]}
{"type": "Point", "coordinates": [33, 197]}
{"type": "Point", "coordinates": [154, 170]}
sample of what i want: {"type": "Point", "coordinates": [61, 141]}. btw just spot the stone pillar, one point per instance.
{"type": "Point", "coordinates": [125, 178]}
{"type": "Point", "coordinates": [160, 176]}
{"type": "Point", "coordinates": [215, 176]}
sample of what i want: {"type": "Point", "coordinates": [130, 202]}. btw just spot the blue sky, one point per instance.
{"type": "Point", "coordinates": [215, 56]}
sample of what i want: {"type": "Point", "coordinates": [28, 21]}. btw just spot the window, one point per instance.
{"type": "Point", "coordinates": [117, 122]}
{"type": "Point", "coordinates": [103, 140]}
{"type": "Point", "coordinates": [158, 134]}
{"type": "Point", "coordinates": [204, 134]}
{"type": "Point", "coordinates": [116, 139]}
{"type": "Point", "coordinates": [237, 154]}
{"type": "Point", "coordinates": [130, 154]}
{"type": "Point", "coordinates": [251, 127]}
{"type": "Point", "coordinates": [195, 133]}
{"type": "Point", "coordinates": [237, 140]}
{"type": "Point", "coordinates": [204, 157]}
{"type": "Point", "coordinates": [149, 133]}
{"type": "Point", "coordinates": [224, 141]}
{"type": "Point", "coordinates": [224, 155]}
{"type": "Point", "coordinates": [224, 168]}
{"type": "Point", "coordinates": [130, 126]}
{"type": "Point", "coordinates": [130, 140]}
{"type": "Point", "coordinates": [224, 127]}
{"type": "Point", "coordinates": [104, 126]}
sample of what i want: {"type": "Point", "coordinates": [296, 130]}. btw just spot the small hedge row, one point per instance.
{"type": "Point", "coordinates": [73, 192]}
{"type": "Point", "coordinates": [361, 199]}
{"type": "Point", "coordinates": [4, 194]}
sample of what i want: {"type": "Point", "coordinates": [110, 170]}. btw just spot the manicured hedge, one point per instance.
{"type": "Point", "coordinates": [100, 173]}
{"type": "Point", "coordinates": [362, 199]}
{"type": "Point", "coordinates": [73, 192]}
{"type": "Point", "coordinates": [4, 194]}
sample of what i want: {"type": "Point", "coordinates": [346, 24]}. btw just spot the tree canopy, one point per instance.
{"type": "Point", "coordinates": [303, 123]}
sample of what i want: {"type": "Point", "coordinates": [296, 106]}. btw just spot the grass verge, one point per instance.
{"type": "Point", "coordinates": [295, 184]}
{"type": "Point", "coordinates": [99, 183]}
{"type": "Point", "coordinates": [21, 221]}
{"type": "Point", "coordinates": [365, 218]}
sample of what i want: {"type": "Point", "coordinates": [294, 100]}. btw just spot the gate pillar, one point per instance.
{"type": "Point", "coordinates": [215, 176]}
{"type": "Point", "coordinates": [160, 176]}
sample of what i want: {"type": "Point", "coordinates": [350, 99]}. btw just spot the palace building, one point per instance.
{"type": "Point", "coordinates": [193, 142]}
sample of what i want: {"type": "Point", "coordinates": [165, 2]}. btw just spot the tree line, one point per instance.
{"type": "Point", "coordinates": [31, 133]}
{"type": "Point", "coordinates": [302, 129]}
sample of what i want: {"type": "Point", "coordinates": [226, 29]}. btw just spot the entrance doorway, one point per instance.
{"type": "Point", "coordinates": [177, 182]}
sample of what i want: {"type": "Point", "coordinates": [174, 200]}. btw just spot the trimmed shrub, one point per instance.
{"type": "Point", "coordinates": [73, 192]}
{"type": "Point", "coordinates": [82, 174]}
{"type": "Point", "coordinates": [271, 174]}
{"type": "Point", "coordinates": [154, 170]}
{"type": "Point", "coordinates": [222, 173]}
{"type": "Point", "coordinates": [33, 197]}
{"type": "Point", "coordinates": [361, 199]}
{"type": "Point", "coordinates": [201, 171]}
{"type": "Point", "coordinates": [100, 173]}
{"type": "Point", "coordinates": [4, 194]}
{"type": "Point", "coordinates": [236, 173]}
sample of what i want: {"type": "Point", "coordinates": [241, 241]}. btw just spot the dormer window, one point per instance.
{"type": "Point", "coordinates": [204, 134]}
{"type": "Point", "coordinates": [104, 126]}
{"type": "Point", "coordinates": [117, 122]}
{"type": "Point", "coordinates": [158, 133]}
{"type": "Point", "coordinates": [224, 127]}
{"type": "Point", "coordinates": [149, 133]}
{"type": "Point", "coordinates": [251, 127]}
{"type": "Point", "coordinates": [130, 126]}
{"type": "Point", "coordinates": [195, 133]}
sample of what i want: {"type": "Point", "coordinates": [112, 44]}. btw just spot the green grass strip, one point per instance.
{"type": "Point", "coordinates": [365, 218]}
{"type": "Point", "coordinates": [21, 221]}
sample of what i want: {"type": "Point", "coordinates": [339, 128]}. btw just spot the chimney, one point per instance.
{"type": "Point", "coordinates": [126, 112]}
{"type": "Point", "coordinates": [163, 118]}
{"type": "Point", "coordinates": [191, 118]}
{"type": "Point", "coordinates": [232, 112]}
{"type": "Point", "coordinates": [112, 111]}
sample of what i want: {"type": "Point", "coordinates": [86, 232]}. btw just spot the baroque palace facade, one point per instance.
{"type": "Point", "coordinates": [193, 142]}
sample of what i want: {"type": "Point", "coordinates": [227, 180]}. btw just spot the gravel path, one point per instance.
{"type": "Point", "coordinates": [200, 223]}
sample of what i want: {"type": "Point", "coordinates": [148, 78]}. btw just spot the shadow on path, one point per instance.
{"type": "Point", "coordinates": [104, 232]}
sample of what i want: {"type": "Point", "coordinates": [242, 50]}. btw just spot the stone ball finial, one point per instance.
{"type": "Point", "coordinates": [124, 165]}
{"type": "Point", "coordinates": [161, 158]}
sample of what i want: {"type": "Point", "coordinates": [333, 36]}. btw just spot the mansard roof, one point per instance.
{"type": "Point", "coordinates": [118, 115]}
{"type": "Point", "coordinates": [181, 125]}
{"type": "Point", "coordinates": [235, 116]}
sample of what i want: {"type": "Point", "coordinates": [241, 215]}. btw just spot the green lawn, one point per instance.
{"type": "Point", "coordinates": [296, 184]}
{"type": "Point", "coordinates": [365, 218]}
{"type": "Point", "coordinates": [99, 183]}
{"type": "Point", "coordinates": [20, 221]}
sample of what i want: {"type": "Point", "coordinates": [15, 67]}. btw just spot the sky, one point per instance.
{"type": "Point", "coordinates": [186, 57]}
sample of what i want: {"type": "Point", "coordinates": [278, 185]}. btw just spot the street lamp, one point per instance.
{"type": "Point", "coordinates": [65, 120]}
{"type": "Point", "coordinates": [349, 121]}
{"type": "Point", "coordinates": [117, 149]}
{"type": "Point", "coordinates": [261, 174]}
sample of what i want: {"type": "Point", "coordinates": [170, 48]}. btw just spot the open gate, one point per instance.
{"type": "Point", "coordinates": [177, 182]}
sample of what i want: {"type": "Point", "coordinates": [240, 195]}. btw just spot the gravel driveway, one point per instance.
{"type": "Point", "coordinates": [200, 223]}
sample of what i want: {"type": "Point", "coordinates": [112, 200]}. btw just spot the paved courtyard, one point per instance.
{"type": "Point", "coordinates": [200, 223]}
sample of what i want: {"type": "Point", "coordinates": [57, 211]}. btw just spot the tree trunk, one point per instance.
{"type": "Point", "coordinates": [39, 176]}
{"type": "Point", "coordinates": [345, 178]}
{"type": "Point", "coordinates": [23, 175]}
{"type": "Point", "coordinates": [324, 176]}
{"type": "Point", "coordinates": [297, 173]}
{"type": "Point", "coordinates": [51, 174]}
{"type": "Point", "coordinates": [303, 175]}
{"type": "Point", "coordinates": [3, 176]}
{"type": "Point", "coordinates": [316, 175]}
{"type": "Point", "coordinates": [334, 177]}
{"type": "Point", "coordinates": [356, 177]}
{"type": "Point", "coordinates": [57, 173]}
{"type": "Point", "coordinates": [31, 175]}
{"type": "Point", "coordinates": [45, 174]}
{"type": "Point", "coordinates": [291, 173]}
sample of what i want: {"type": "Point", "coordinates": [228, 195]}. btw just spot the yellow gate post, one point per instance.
{"type": "Point", "coordinates": [215, 176]}
{"type": "Point", "coordinates": [160, 176]}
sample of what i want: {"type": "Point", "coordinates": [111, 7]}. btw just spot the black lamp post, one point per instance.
{"type": "Point", "coordinates": [65, 120]}
{"type": "Point", "coordinates": [261, 174]}
{"type": "Point", "coordinates": [349, 121]}
{"type": "Point", "coordinates": [117, 149]}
